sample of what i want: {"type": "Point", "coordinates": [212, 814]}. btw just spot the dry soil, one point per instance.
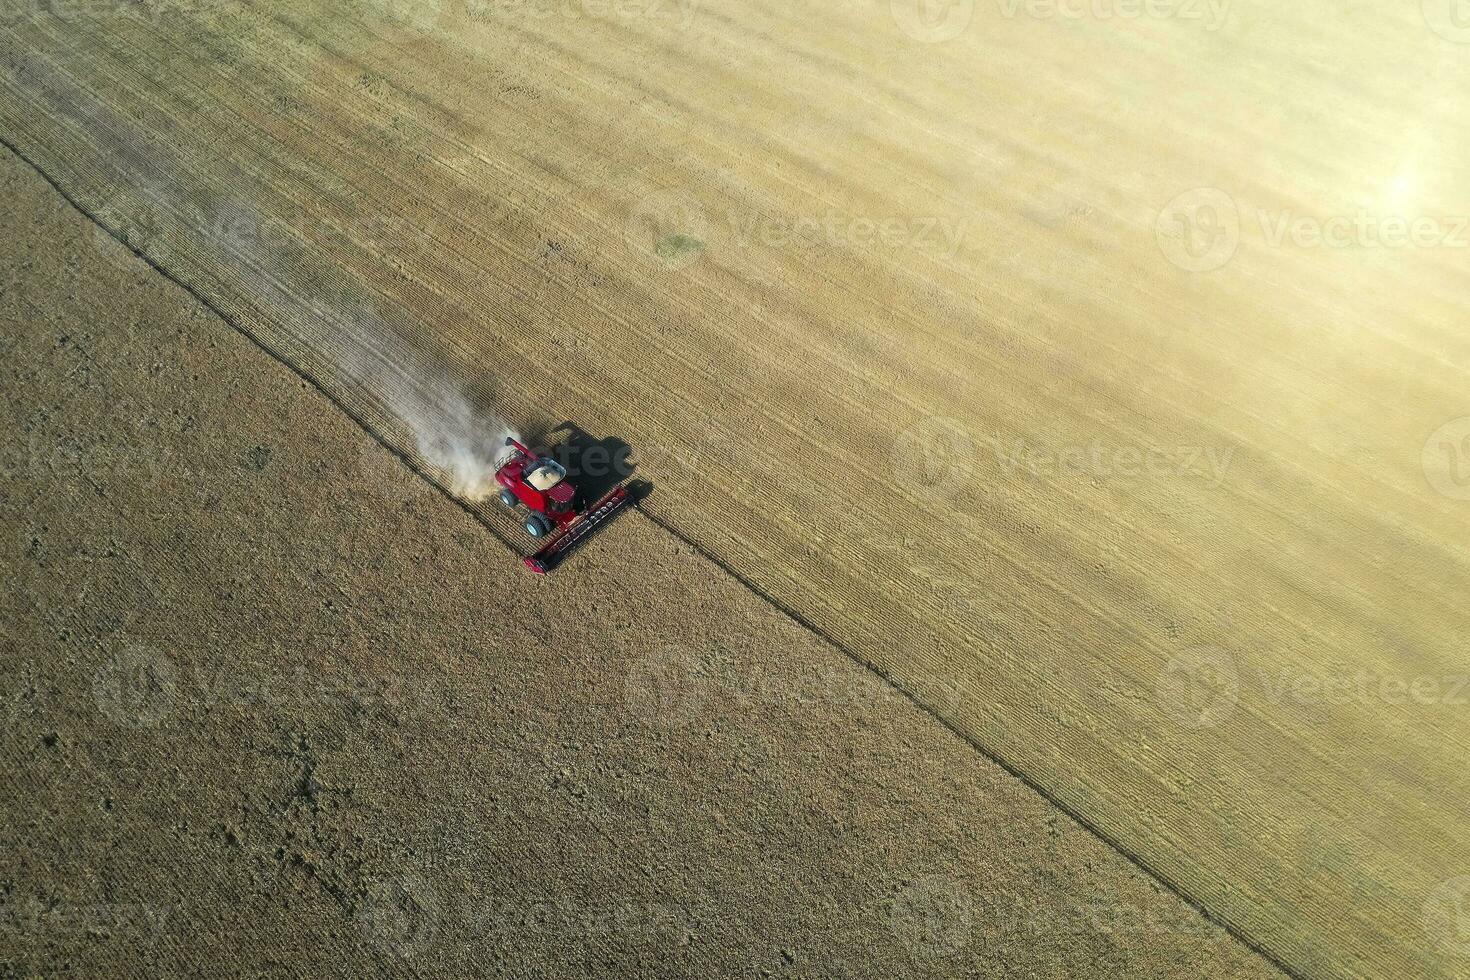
{"type": "Point", "coordinates": [275, 705]}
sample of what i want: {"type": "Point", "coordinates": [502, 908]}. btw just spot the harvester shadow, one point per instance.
{"type": "Point", "coordinates": [595, 465]}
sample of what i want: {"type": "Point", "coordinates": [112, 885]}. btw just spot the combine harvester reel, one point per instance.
{"type": "Point", "coordinates": [540, 484]}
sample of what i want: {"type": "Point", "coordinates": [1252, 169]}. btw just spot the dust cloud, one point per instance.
{"type": "Point", "coordinates": [463, 445]}
{"type": "Point", "coordinates": [459, 444]}
{"type": "Point", "coordinates": [431, 410]}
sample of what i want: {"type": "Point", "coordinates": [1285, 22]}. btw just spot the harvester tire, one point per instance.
{"type": "Point", "coordinates": [508, 498]}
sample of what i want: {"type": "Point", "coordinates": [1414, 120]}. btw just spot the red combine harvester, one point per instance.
{"type": "Point", "coordinates": [541, 485]}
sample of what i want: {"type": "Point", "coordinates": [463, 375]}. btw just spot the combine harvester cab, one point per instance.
{"type": "Point", "coordinates": [540, 484]}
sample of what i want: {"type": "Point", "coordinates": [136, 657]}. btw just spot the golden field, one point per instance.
{"type": "Point", "coordinates": [1095, 372]}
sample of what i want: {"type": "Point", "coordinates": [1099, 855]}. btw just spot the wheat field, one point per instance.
{"type": "Point", "coordinates": [1095, 371]}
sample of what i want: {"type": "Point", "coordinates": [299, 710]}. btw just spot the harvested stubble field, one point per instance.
{"type": "Point", "coordinates": [275, 706]}
{"type": "Point", "coordinates": [1099, 380]}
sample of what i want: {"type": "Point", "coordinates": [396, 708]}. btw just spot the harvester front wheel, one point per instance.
{"type": "Point", "coordinates": [537, 527]}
